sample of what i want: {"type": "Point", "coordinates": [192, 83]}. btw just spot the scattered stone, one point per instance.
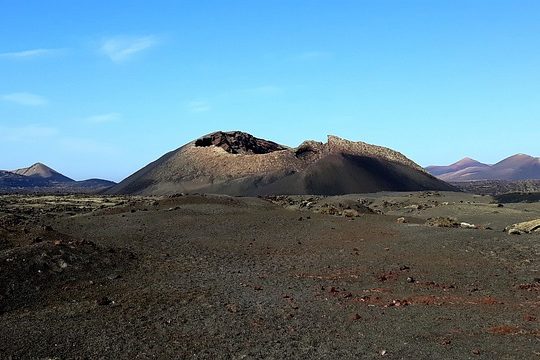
{"type": "Point", "coordinates": [62, 264]}
{"type": "Point", "coordinates": [442, 222]}
{"type": "Point", "coordinates": [410, 279]}
{"type": "Point", "coordinates": [465, 225]}
{"type": "Point", "coordinates": [103, 301]}
{"type": "Point", "coordinates": [350, 213]}
{"type": "Point", "coordinates": [530, 287]}
{"type": "Point", "coordinates": [414, 207]}
{"type": "Point", "coordinates": [37, 240]}
{"type": "Point", "coordinates": [398, 303]}
{"type": "Point", "coordinates": [401, 220]}
{"type": "Point", "coordinates": [524, 227]}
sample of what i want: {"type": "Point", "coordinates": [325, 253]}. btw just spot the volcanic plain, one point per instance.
{"type": "Point", "coordinates": [410, 275]}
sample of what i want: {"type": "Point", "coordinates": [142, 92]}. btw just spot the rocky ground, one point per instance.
{"type": "Point", "coordinates": [523, 188]}
{"type": "Point", "coordinates": [376, 276]}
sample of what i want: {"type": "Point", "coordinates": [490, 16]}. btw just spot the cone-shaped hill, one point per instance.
{"type": "Point", "coordinates": [39, 170]}
{"type": "Point", "coordinates": [236, 163]}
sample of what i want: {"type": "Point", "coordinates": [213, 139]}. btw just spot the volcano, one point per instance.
{"type": "Point", "coordinates": [237, 163]}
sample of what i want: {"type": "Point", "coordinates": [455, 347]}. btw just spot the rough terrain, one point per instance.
{"type": "Point", "coordinates": [205, 277]}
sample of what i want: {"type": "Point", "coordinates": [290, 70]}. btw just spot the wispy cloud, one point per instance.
{"type": "Point", "coordinates": [24, 98]}
{"type": "Point", "coordinates": [198, 106]}
{"type": "Point", "coordinates": [103, 118]}
{"type": "Point", "coordinates": [27, 133]}
{"type": "Point", "coordinates": [122, 48]}
{"type": "Point", "coordinates": [27, 54]}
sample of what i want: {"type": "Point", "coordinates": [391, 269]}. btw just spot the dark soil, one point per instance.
{"type": "Point", "coordinates": [208, 277]}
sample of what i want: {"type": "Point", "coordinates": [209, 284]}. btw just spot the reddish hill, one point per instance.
{"type": "Point", "coordinates": [457, 166]}
{"type": "Point", "coordinates": [516, 167]}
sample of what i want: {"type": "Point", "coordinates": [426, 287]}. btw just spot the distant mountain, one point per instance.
{"type": "Point", "coordinates": [516, 167]}
{"type": "Point", "coordinates": [237, 163]}
{"type": "Point", "coordinates": [41, 178]}
{"type": "Point", "coordinates": [40, 170]}
{"type": "Point", "coordinates": [457, 166]}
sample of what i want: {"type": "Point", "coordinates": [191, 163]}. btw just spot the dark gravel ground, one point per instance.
{"type": "Point", "coordinates": [207, 277]}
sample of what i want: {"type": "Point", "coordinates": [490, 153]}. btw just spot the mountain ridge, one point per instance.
{"type": "Point", "coordinates": [515, 167]}
{"type": "Point", "coordinates": [41, 178]}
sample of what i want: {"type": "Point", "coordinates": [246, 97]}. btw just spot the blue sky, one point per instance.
{"type": "Point", "coordinates": [101, 88]}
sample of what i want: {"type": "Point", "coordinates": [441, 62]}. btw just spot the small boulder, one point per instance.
{"type": "Point", "coordinates": [103, 301]}
{"type": "Point", "coordinates": [524, 227]}
{"type": "Point", "coordinates": [443, 222]}
{"type": "Point", "coordinates": [350, 213]}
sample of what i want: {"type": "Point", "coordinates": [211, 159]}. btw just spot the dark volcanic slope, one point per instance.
{"type": "Point", "coordinates": [345, 173]}
{"type": "Point", "coordinates": [12, 180]}
{"type": "Point", "coordinates": [236, 163]}
{"type": "Point", "coordinates": [516, 167]}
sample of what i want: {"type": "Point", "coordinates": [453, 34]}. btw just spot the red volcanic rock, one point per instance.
{"type": "Point", "coordinates": [237, 142]}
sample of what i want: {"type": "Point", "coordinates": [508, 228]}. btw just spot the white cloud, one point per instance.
{"type": "Point", "coordinates": [28, 133]}
{"type": "Point", "coordinates": [103, 118]}
{"type": "Point", "coordinates": [26, 54]}
{"type": "Point", "coordinates": [198, 106]}
{"type": "Point", "coordinates": [121, 48]}
{"type": "Point", "coordinates": [24, 98]}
